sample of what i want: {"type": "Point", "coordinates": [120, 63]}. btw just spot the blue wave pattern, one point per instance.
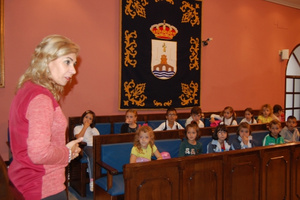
{"type": "Point", "coordinates": [163, 74]}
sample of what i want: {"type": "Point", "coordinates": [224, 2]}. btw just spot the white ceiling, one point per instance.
{"type": "Point", "coordinates": [290, 3]}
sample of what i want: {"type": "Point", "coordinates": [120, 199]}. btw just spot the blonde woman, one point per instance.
{"type": "Point", "coordinates": [37, 124]}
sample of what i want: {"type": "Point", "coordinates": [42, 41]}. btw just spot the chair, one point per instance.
{"type": "Point", "coordinates": [181, 122]}
{"type": "Point", "coordinates": [7, 189]}
{"type": "Point", "coordinates": [155, 123]}
{"type": "Point", "coordinates": [103, 128]}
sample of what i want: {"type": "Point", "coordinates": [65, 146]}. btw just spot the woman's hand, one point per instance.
{"type": "Point", "coordinates": [74, 147]}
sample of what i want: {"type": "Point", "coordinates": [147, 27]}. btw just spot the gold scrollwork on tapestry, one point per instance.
{"type": "Point", "coordinates": [130, 49]}
{"type": "Point", "coordinates": [157, 103]}
{"type": "Point", "coordinates": [194, 49]}
{"type": "Point", "coordinates": [189, 93]}
{"type": "Point", "coordinates": [169, 1]}
{"type": "Point", "coordinates": [135, 93]}
{"type": "Point", "coordinates": [168, 103]}
{"type": "Point", "coordinates": [160, 104]}
{"type": "Point", "coordinates": [190, 14]}
{"type": "Point", "coordinates": [136, 7]}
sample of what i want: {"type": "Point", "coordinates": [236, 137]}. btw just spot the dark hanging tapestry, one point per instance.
{"type": "Point", "coordinates": [160, 53]}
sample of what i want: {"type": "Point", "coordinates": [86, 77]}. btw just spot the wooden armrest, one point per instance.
{"type": "Point", "coordinates": [109, 168]}
{"type": "Point", "coordinates": [111, 171]}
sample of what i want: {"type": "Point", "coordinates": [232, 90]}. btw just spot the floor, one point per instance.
{"type": "Point", "coordinates": [74, 196]}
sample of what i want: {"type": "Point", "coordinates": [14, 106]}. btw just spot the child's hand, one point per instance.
{"type": "Point", "coordinates": [245, 140]}
{"type": "Point", "coordinates": [212, 120]}
{"type": "Point", "coordinates": [87, 123]}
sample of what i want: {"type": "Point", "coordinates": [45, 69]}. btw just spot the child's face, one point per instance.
{"type": "Point", "coordinates": [291, 124]}
{"type": "Point", "coordinates": [171, 116]}
{"type": "Point", "coordinates": [222, 135]}
{"type": "Point", "coordinates": [266, 112]}
{"type": "Point", "coordinates": [244, 132]}
{"type": "Point", "coordinates": [88, 118]}
{"type": "Point", "coordinates": [275, 130]}
{"type": "Point", "coordinates": [191, 134]}
{"type": "Point", "coordinates": [248, 115]}
{"type": "Point", "coordinates": [144, 139]}
{"type": "Point", "coordinates": [196, 117]}
{"type": "Point", "coordinates": [227, 114]}
{"type": "Point", "coordinates": [280, 112]}
{"type": "Point", "coordinates": [130, 118]}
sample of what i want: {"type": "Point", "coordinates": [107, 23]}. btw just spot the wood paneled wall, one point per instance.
{"type": "Point", "coordinates": [270, 172]}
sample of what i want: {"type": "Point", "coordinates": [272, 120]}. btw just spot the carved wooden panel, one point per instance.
{"type": "Point", "coordinates": [275, 173]}
{"type": "Point", "coordinates": [202, 179]}
{"type": "Point", "coordinates": [159, 181]}
{"type": "Point", "coordinates": [295, 174]}
{"type": "Point", "coordinates": [241, 176]}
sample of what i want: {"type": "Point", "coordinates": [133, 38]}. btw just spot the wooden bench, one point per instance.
{"type": "Point", "coordinates": [270, 172]}
{"type": "Point", "coordinates": [111, 152]}
{"type": "Point", "coordinates": [120, 153]}
{"type": "Point", "coordinates": [78, 167]}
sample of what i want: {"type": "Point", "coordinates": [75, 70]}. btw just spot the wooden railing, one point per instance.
{"type": "Point", "coordinates": [271, 172]}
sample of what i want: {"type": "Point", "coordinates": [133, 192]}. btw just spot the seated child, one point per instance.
{"type": "Point", "coordinates": [227, 117]}
{"type": "Point", "coordinates": [243, 139]}
{"type": "Point", "coordinates": [191, 146]}
{"type": "Point", "coordinates": [87, 130]}
{"type": "Point", "coordinates": [219, 140]}
{"type": "Point", "coordinates": [265, 114]}
{"type": "Point", "coordinates": [196, 114]}
{"type": "Point", "coordinates": [273, 137]}
{"type": "Point", "coordinates": [278, 113]}
{"type": "Point", "coordinates": [143, 146]}
{"type": "Point", "coordinates": [130, 125]}
{"type": "Point", "coordinates": [170, 123]}
{"type": "Point", "coordinates": [249, 117]}
{"type": "Point", "coordinates": [290, 133]}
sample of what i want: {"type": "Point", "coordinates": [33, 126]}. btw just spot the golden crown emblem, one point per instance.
{"type": "Point", "coordinates": [164, 31]}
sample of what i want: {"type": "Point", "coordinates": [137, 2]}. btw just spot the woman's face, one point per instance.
{"type": "Point", "coordinates": [62, 69]}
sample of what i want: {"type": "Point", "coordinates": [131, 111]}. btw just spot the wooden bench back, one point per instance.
{"type": "Point", "coordinates": [269, 172]}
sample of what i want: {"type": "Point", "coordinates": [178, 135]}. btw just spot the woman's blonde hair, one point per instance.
{"type": "Point", "coordinates": [146, 129]}
{"type": "Point", "coordinates": [50, 48]}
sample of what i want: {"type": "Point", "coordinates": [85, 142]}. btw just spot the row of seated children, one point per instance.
{"type": "Point", "coordinates": [244, 139]}
{"type": "Point", "coordinates": [87, 130]}
{"type": "Point", "coordinates": [227, 117]}
{"type": "Point", "coordinates": [144, 146]}
{"type": "Point", "coordinates": [266, 115]}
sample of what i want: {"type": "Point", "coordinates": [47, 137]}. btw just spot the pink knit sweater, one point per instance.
{"type": "Point", "coordinates": [37, 137]}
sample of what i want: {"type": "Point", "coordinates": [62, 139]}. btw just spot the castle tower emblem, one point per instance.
{"type": "Point", "coordinates": [164, 52]}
